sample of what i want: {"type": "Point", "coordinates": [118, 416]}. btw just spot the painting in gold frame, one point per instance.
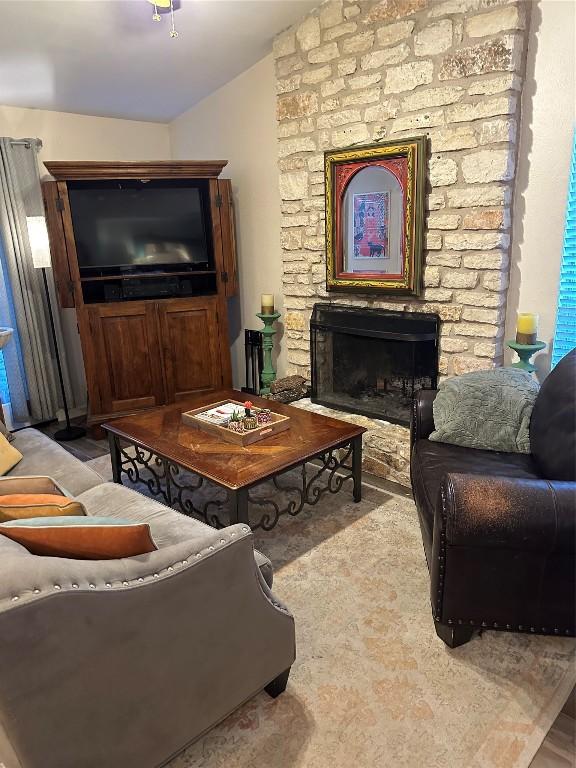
{"type": "Point", "coordinates": [375, 217]}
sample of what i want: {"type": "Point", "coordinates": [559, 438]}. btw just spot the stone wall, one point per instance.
{"type": "Point", "coordinates": [354, 73]}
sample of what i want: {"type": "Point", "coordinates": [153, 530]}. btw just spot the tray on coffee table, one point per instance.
{"type": "Point", "coordinates": [278, 423]}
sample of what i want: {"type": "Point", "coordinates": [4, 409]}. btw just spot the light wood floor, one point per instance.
{"type": "Point", "coordinates": [558, 750]}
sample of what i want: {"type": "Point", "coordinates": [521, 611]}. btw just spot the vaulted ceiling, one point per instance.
{"type": "Point", "coordinates": [108, 57]}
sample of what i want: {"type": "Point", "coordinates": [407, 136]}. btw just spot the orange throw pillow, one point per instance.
{"type": "Point", "coordinates": [15, 506]}
{"type": "Point", "coordinates": [80, 538]}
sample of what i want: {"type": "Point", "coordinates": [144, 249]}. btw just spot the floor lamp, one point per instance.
{"type": "Point", "coordinates": [39, 245]}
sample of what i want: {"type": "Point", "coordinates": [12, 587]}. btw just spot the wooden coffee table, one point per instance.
{"type": "Point", "coordinates": [162, 446]}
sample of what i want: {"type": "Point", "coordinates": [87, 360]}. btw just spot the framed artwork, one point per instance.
{"type": "Point", "coordinates": [375, 217]}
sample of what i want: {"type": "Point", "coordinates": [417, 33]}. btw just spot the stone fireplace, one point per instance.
{"type": "Point", "coordinates": [353, 73]}
{"type": "Point", "coordinates": [372, 361]}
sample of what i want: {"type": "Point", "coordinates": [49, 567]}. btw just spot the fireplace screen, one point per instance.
{"type": "Point", "coordinates": [372, 361]}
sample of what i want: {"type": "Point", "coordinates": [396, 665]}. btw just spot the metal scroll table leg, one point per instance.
{"type": "Point", "coordinates": [239, 506]}
{"type": "Point", "coordinates": [114, 444]}
{"type": "Point", "coordinates": [357, 467]}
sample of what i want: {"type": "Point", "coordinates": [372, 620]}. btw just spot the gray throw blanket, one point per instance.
{"type": "Point", "coordinates": [489, 410]}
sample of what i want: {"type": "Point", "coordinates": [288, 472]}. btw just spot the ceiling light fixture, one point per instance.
{"type": "Point", "coordinates": [156, 15]}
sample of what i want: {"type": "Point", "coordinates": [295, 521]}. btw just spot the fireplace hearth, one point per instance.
{"type": "Point", "coordinates": [372, 361]}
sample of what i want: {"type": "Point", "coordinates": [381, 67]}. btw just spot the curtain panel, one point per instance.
{"type": "Point", "coordinates": [30, 357]}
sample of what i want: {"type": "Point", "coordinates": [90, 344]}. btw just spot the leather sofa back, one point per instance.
{"type": "Point", "coordinates": [553, 423]}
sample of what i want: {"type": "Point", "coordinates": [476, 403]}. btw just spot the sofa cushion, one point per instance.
{"type": "Point", "coordinates": [166, 525]}
{"type": "Point", "coordinates": [43, 456]}
{"type": "Point", "coordinates": [80, 538]}
{"type": "Point", "coordinates": [553, 424]}
{"type": "Point", "coordinates": [10, 456]}
{"type": "Point", "coordinates": [431, 461]}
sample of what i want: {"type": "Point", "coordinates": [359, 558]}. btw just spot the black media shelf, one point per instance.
{"type": "Point", "coordinates": [165, 285]}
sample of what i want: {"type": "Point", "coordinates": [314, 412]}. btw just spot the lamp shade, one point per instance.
{"type": "Point", "coordinates": [39, 245]}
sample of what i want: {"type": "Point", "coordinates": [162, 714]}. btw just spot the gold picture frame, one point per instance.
{"type": "Point", "coordinates": [375, 217]}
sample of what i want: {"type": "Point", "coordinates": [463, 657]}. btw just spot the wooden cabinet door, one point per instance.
{"type": "Point", "coordinates": [190, 337]}
{"type": "Point", "coordinates": [58, 244]}
{"type": "Point", "coordinates": [126, 364]}
{"type": "Point", "coordinates": [223, 235]}
{"type": "Point", "coordinates": [228, 238]}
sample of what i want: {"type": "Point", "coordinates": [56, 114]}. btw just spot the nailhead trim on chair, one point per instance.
{"type": "Point", "coordinates": [472, 622]}
{"type": "Point", "coordinates": [510, 627]}
{"type": "Point", "coordinates": [141, 579]}
{"type": "Point", "coordinates": [441, 561]}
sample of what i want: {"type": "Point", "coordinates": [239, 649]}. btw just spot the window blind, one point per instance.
{"type": "Point", "coordinates": [565, 334]}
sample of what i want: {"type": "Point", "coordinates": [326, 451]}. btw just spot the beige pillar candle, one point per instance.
{"type": "Point", "coordinates": [527, 328]}
{"type": "Point", "coordinates": [267, 303]}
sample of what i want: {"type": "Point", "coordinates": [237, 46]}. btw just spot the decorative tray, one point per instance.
{"type": "Point", "coordinates": [216, 418]}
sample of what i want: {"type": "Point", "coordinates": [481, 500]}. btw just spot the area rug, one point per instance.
{"type": "Point", "coordinates": [372, 685]}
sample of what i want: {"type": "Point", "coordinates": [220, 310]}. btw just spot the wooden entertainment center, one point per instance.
{"type": "Point", "coordinates": [142, 349]}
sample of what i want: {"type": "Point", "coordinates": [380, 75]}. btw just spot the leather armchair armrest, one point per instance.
{"type": "Point", "coordinates": [503, 554]}
{"type": "Point", "coordinates": [534, 515]}
{"type": "Point", "coordinates": [422, 418]}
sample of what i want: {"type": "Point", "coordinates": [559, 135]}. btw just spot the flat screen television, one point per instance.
{"type": "Point", "coordinates": [132, 226]}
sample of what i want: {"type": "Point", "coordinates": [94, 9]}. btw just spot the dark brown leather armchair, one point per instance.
{"type": "Point", "coordinates": [499, 529]}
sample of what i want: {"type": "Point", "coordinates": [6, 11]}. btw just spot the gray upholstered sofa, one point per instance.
{"type": "Point", "coordinates": [122, 663]}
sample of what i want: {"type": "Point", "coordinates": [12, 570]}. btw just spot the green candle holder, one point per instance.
{"type": "Point", "coordinates": [268, 374]}
{"type": "Point", "coordinates": [525, 352]}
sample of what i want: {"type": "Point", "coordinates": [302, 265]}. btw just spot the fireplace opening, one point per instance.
{"type": "Point", "coordinates": [372, 361]}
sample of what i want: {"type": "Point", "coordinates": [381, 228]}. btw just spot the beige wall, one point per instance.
{"type": "Point", "coordinates": [237, 123]}
{"type": "Point", "coordinates": [79, 137]}
{"type": "Point", "coordinates": [548, 113]}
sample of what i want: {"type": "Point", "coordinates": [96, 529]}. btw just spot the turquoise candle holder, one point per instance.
{"type": "Point", "coordinates": [525, 352]}
{"type": "Point", "coordinates": [268, 374]}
